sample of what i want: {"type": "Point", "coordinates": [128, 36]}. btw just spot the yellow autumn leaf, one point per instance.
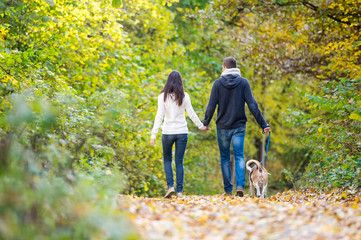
{"type": "Point", "coordinates": [344, 195]}
{"type": "Point", "coordinates": [204, 217]}
{"type": "Point", "coordinates": [355, 116]}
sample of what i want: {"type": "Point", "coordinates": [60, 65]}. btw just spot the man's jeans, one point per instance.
{"type": "Point", "coordinates": [180, 141]}
{"type": "Point", "coordinates": [224, 137]}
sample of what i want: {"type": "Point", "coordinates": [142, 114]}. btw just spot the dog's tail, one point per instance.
{"type": "Point", "coordinates": [259, 166]}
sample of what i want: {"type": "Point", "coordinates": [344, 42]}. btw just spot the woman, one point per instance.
{"type": "Point", "coordinates": [172, 102]}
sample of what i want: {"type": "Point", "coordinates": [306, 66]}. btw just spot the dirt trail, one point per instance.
{"type": "Point", "coordinates": [290, 215]}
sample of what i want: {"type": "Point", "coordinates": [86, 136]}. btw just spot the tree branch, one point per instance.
{"type": "Point", "coordinates": [2, 68]}
{"type": "Point", "coordinates": [305, 3]}
{"type": "Point", "coordinates": [316, 9]}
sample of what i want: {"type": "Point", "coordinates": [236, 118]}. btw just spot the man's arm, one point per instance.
{"type": "Point", "coordinates": [212, 103]}
{"type": "Point", "coordinates": [253, 107]}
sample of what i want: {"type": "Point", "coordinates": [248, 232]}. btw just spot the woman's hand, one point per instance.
{"type": "Point", "coordinates": [204, 128]}
{"type": "Point", "coordinates": [152, 142]}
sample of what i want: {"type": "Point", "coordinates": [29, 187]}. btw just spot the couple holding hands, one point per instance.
{"type": "Point", "coordinates": [230, 92]}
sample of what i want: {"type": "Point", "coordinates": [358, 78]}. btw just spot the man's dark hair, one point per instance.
{"type": "Point", "coordinates": [230, 62]}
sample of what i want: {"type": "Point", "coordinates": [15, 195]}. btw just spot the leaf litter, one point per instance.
{"type": "Point", "coordinates": [305, 214]}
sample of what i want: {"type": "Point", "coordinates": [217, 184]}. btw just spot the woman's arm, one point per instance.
{"type": "Point", "coordinates": [158, 118]}
{"type": "Point", "coordinates": [191, 114]}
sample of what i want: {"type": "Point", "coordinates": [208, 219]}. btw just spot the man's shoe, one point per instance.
{"type": "Point", "coordinates": [169, 193]}
{"type": "Point", "coordinates": [239, 192]}
{"type": "Point", "coordinates": [179, 195]}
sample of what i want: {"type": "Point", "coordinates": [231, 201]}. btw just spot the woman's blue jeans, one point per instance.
{"type": "Point", "coordinates": [225, 137]}
{"type": "Point", "coordinates": [180, 141]}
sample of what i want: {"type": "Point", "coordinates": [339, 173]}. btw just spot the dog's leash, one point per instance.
{"type": "Point", "coordinates": [268, 140]}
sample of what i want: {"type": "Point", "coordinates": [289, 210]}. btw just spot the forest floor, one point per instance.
{"type": "Point", "coordinates": [289, 215]}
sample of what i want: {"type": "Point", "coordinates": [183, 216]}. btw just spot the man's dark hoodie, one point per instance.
{"type": "Point", "coordinates": [230, 92]}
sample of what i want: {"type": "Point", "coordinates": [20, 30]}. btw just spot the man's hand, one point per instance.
{"type": "Point", "coordinates": [267, 129]}
{"type": "Point", "coordinates": [152, 142]}
{"type": "Point", "coordinates": [208, 128]}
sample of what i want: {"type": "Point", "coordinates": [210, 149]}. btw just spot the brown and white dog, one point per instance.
{"type": "Point", "coordinates": [258, 175]}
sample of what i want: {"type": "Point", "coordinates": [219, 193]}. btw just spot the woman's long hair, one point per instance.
{"type": "Point", "coordinates": [174, 85]}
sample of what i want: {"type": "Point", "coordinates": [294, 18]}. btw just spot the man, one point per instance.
{"type": "Point", "coordinates": [230, 92]}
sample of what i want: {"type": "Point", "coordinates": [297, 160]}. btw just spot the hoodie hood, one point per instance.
{"type": "Point", "coordinates": [231, 78]}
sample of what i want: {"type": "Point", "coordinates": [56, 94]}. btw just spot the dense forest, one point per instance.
{"type": "Point", "coordinates": [78, 95]}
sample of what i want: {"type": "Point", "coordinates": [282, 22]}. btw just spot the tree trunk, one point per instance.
{"type": "Point", "coordinates": [261, 150]}
{"type": "Point", "coordinates": [233, 170]}
{"type": "Point", "coordinates": [260, 144]}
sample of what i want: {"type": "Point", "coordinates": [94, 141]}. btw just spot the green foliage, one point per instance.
{"type": "Point", "coordinates": [289, 177]}
{"type": "Point", "coordinates": [79, 86]}
{"type": "Point", "coordinates": [116, 3]}
{"type": "Point", "coordinates": [103, 68]}
{"type": "Point", "coordinates": [334, 135]}
{"type": "Point", "coordinates": [42, 194]}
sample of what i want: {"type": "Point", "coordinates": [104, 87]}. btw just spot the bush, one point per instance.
{"type": "Point", "coordinates": [43, 195]}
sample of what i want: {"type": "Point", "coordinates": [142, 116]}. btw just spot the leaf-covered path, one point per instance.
{"type": "Point", "coordinates": [290, 215]}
